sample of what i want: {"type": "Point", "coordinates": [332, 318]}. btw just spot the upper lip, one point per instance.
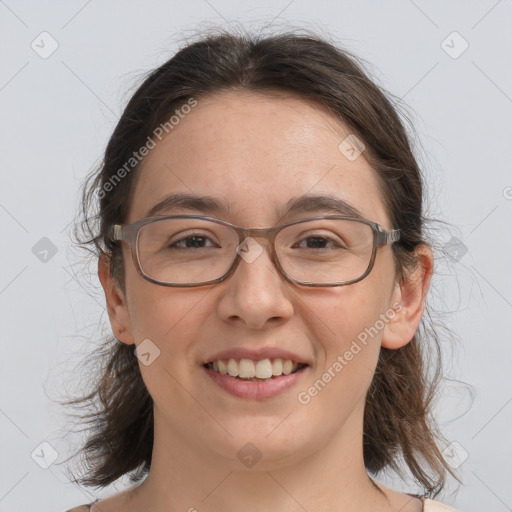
{"type": "Point", "coordinates": [256, 354]}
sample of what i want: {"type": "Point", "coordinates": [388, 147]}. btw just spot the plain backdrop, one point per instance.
{"type": "Point", "coordinates": [68, 69]}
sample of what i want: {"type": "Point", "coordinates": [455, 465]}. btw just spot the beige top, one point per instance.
{"type": "Point", "coordinates": [428, 506]}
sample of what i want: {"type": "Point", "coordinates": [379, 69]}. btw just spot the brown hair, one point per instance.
{"type": "Point", "coordinates": [397, 422]}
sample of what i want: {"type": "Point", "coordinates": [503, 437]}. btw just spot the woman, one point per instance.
{"type": "Point", "coordinates": [260, 245]}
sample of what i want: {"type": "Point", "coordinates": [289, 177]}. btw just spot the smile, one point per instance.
{"type": "Point", "coordinates": [251, 379]}
{"type": "Point", "coordinates": [256, 371]}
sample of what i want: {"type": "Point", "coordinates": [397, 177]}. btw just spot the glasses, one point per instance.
{"type": "Point", "coordinates": [193, 250]}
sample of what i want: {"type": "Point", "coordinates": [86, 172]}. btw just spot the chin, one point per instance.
{"type": "Point", "coordinates": [263, 444]}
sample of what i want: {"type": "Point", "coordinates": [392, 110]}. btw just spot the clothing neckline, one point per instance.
{"type": "Point", "coordinates": [421, 498]}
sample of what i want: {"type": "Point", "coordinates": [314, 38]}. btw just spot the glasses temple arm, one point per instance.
{"type": "Point", "coordinates": [388, 237]}
{"type": "Point", "coordinates": [115, 232]}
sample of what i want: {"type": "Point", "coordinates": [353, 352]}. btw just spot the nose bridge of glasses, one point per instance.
{"type": "Point", "coordinates": [250, 249]}
{"type": "Point", "coordinates": [265, 235]}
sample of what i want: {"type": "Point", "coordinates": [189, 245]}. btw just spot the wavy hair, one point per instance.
{"type": "Point", "coordinates": [398, 424]}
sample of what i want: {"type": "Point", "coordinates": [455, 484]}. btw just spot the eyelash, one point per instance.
{"type": "Point", "coordinates": [200, 235]}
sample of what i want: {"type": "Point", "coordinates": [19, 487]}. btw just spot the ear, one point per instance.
{"type": "Point", "coordinates": [117, 306]}
{"type": "Point", "coordinates": [408, 301]}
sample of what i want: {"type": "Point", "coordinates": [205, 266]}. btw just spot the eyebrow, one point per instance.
{"type": "Point", "coordinates": [209, 205]}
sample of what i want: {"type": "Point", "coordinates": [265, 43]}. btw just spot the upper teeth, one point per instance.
{"type": "Point", "coordinates": [247, 368]}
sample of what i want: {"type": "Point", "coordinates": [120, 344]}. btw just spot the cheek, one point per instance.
{"type": "Point", "coordinates": [340, 316]}
{"type": "Point", "coordinates": [347, 323]}
{"type": "Point", "coordinates": [352, 349]}
{"type": "Point", "coordinates": [170, 318]}
{"type": "Point", "coordinates": [172, 322]}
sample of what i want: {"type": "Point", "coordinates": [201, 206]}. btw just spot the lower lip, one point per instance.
{"type": "Point", "coordinates": [255, 390]}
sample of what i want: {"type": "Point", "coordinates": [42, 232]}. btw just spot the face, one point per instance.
{"type": "Point", "coordinates": [256, 153]}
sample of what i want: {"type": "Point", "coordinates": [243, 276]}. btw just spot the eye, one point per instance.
{"type": "Point", "coordinates": [321, 242]}
{"type": "Point", "coordinates": [192, 241]}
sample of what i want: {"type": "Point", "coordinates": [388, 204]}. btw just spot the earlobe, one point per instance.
{"type": "Point", "coordinates": [410, 297]}
{"type": "Point", "coordinates": [117, 307]}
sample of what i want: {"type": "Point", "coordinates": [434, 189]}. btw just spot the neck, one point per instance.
{"type": "Point", "coordinates": [189, 477]}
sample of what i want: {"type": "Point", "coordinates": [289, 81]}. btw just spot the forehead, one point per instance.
{"type": "Point", "coordinates": [256, 154]}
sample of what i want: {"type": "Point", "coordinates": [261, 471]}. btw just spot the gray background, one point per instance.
{"type": "Point", "coordinates": [57, 114]}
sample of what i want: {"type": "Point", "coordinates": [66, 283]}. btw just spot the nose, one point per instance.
{"type": "Point", "coordinates": [256, 294]}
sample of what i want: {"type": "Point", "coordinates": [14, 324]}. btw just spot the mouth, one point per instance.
{"type": "Point", "coordinates": [263, 370]}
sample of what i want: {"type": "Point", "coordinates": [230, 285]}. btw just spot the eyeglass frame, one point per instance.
{"type": "Point", "coordinates": [130, 232]}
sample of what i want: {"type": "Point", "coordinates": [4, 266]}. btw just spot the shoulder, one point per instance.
{"type": "Point", "coordinates": [436, 506]}
{"type": "Point", "coordinates": [84, 508]}
{"type": "Point", "coordinates": [428, 506]}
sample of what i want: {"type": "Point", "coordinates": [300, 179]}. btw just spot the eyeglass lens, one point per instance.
{"type": "Point", "coordinates": [182, 251]}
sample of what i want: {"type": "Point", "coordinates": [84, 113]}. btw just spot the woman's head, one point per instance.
{"type": "Point", "coordinates": [257, 124]}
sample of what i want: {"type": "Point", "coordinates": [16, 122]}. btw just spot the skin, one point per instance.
{"type": "Point", "coordinates": [258, 151]}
